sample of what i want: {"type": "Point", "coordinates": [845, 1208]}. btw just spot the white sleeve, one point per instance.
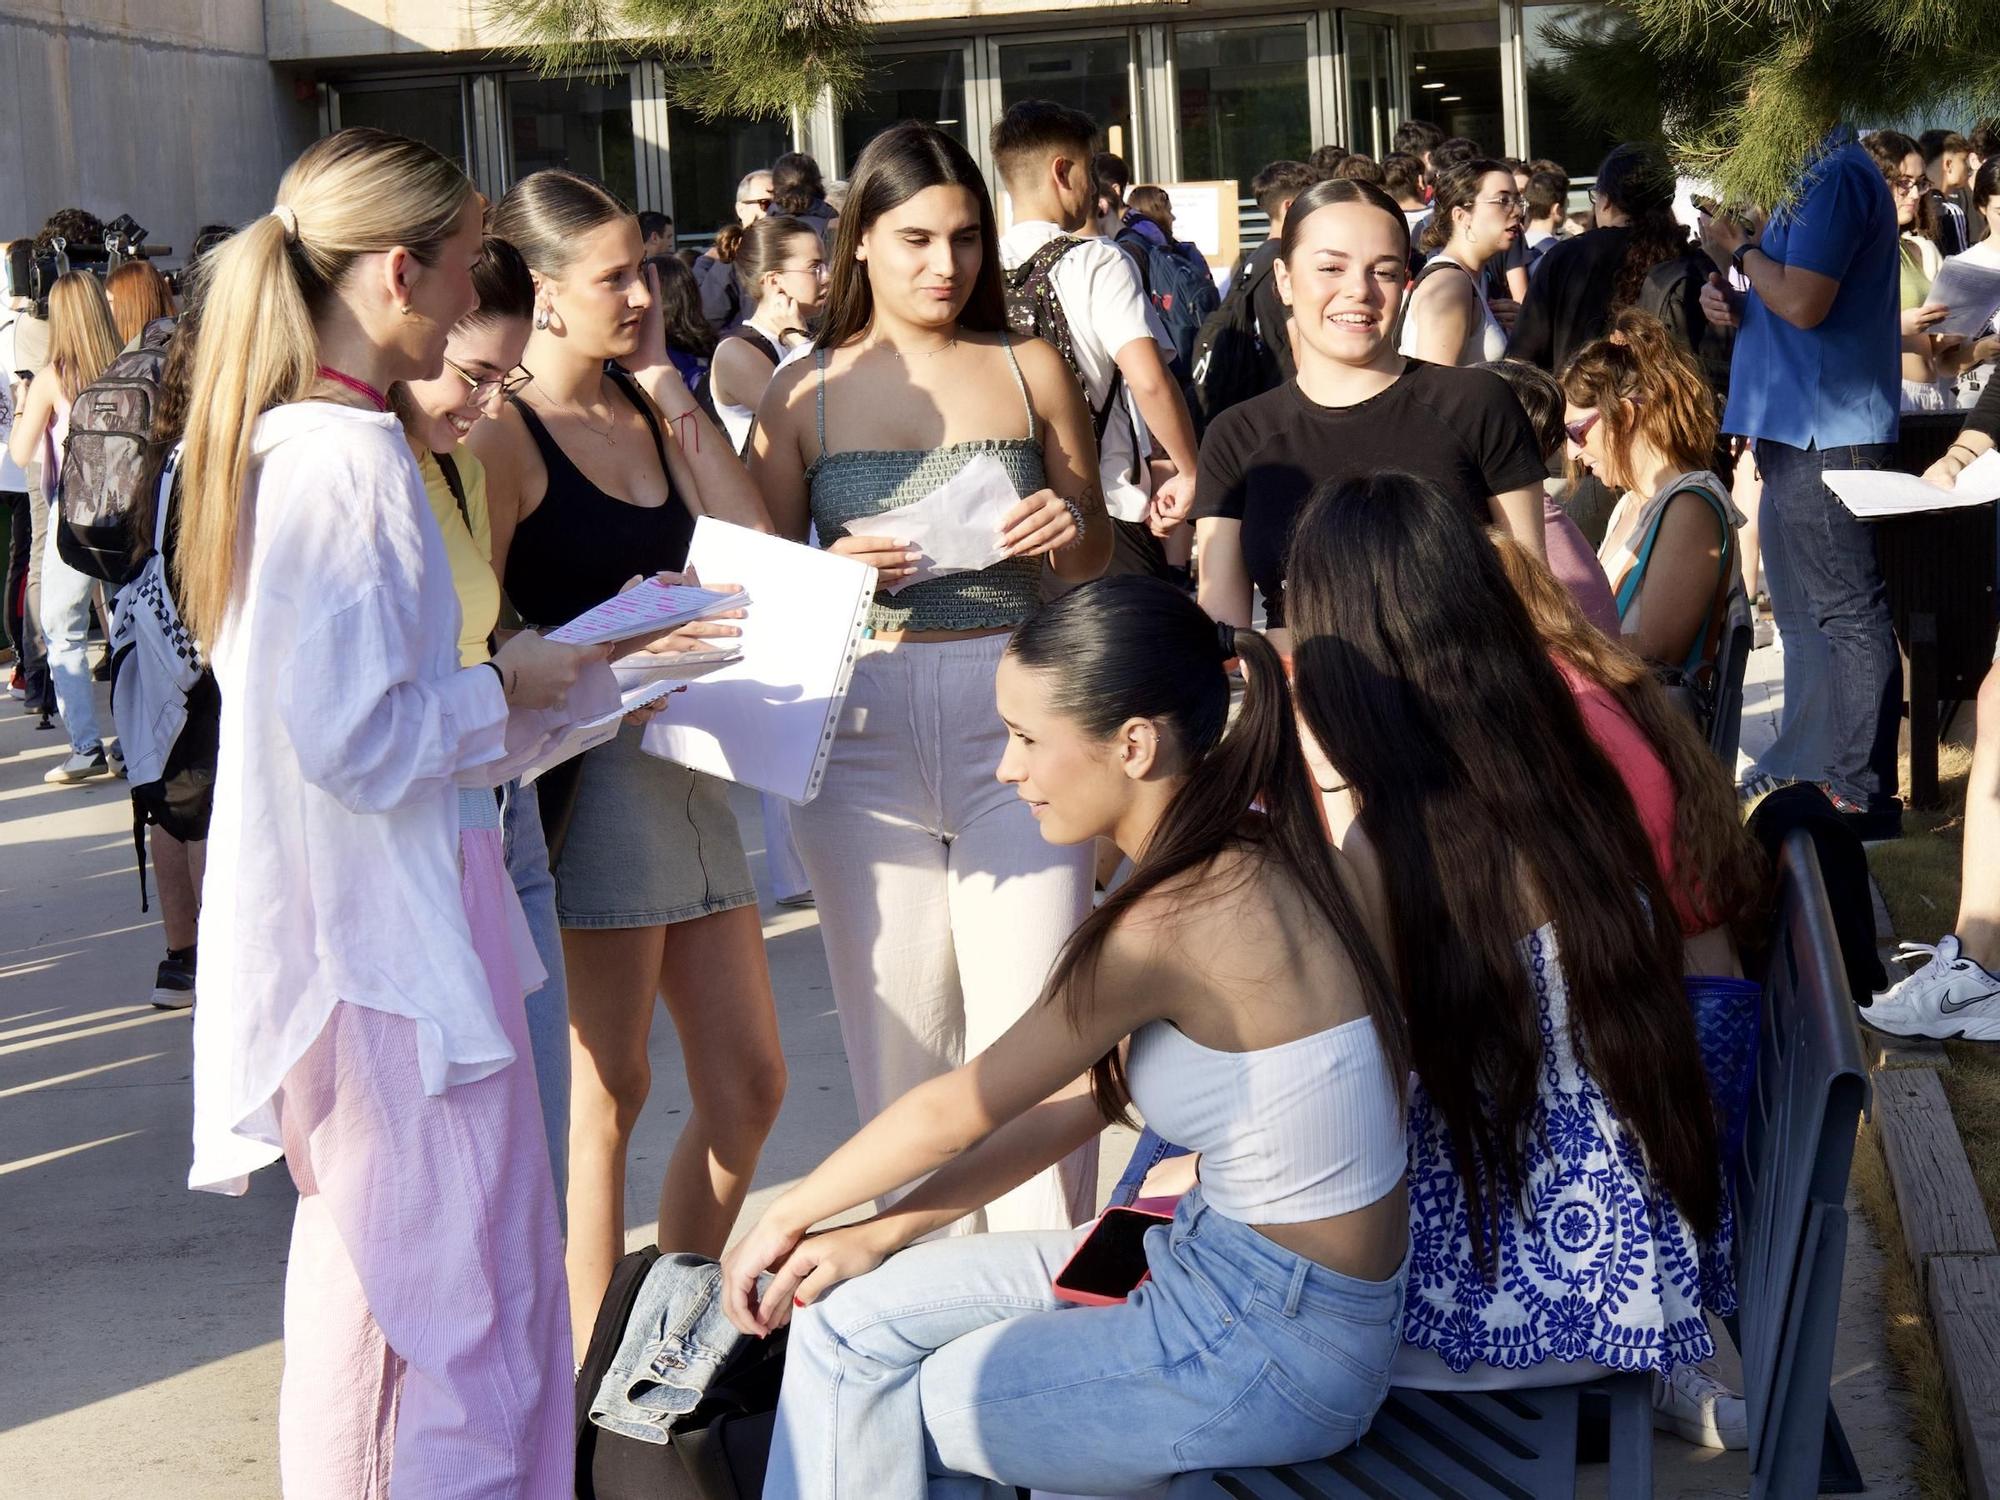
{"type": "Point", "coordinates": [366, 725]}
{"type": "Point", "coordinates": [1119, 310]}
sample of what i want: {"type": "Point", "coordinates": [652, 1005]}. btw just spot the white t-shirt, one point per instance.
{"type": "Point", "coordinates": [1106, 305]}
{"type": "Point", "coordinates": [11, 477]}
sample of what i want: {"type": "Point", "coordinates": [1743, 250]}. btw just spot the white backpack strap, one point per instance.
{"type": "Point", "coordinates": [164, 502]}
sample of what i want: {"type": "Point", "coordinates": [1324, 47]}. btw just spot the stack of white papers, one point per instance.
{"type": "Point", "coordinates": [1874, 495]}
{"type": "Point", "coordinates": [1971, 292]}
{"type": "Point", "coordinates": [643, 668]}
{"type": "Point", "coordinates": [648, 609]}
{"type": "Point", "coordinates": [956, 526]}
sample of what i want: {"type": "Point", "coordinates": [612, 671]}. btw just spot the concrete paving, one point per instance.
{"type": "Point", "coordinates": [140, 1322]}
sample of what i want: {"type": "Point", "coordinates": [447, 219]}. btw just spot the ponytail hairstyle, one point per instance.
{"type": "Point", "coordinates": [1457, 187]}
{"type": "Point", "coordinates": [1128, 647]}
{"type": "Point", "coordinates": [358, 192]}
{"type": "Point", "coordinates": [895, 166]}
{"type": "Point", "coordinates": [1419, 672]}
{"type": "Point", "coordinates": [1328, 191]}
{"type": "Point", "coordinates": [1640, 185]}
{"type": "Point", "coordinates": [728, 241]}
{"type": "Point", "coordinates": [1722, 872]}
{"type": "Point", "coordinates": [762, 250]}
{"type": "Point", "coordinates": [796, 184]}
{"type": "Point", "coordinates": [1673, 408]}
{"type": "Point", "coordinates": [546, 213]}
{"type": "Point", "coordinates": [83, 339]}
{"type": "Point", "coordinates": [138, 295]}
{"type": "Point", "coordinates": [502, 280]}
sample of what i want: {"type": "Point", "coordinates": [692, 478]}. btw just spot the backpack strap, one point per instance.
{"type": "Point", "coordinates": [164, 501]}
{"type": "Point", "coordinates": [448, 466]}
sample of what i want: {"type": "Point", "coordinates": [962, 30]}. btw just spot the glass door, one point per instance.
{"type": "Point", "coordinates": [1373, 74]}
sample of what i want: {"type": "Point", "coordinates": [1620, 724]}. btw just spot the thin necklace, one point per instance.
{"type": "Point", "coordinates": [950, 343]}
{"type": "Point", "coordinates": [588, 426]}
{"type": "Point", "coordinates": [359, 387]}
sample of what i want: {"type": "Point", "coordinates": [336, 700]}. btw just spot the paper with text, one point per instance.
{"type": "Point", "coordinates": [650, 608]}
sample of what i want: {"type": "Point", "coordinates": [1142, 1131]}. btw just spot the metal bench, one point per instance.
{"type": "Point", "coordinates": [1791, 1241]}
{"type": "Point", "coordinates": [1732, 663]}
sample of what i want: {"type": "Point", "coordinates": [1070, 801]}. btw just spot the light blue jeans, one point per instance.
{"type": "Point", "coordinates": [65, 621]}
{"type": "Point", "coordinates": [548, 1007]}
{"type": "Point", "coordinates": [953, 1371]}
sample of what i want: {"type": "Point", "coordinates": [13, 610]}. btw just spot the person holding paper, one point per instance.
{"type": "Point", "coordinates": [1973, 360]}
{"type": "Point", "coordinates": [595, 472]}
{"type": "Point", "coordinates": [1956, 991]}
{"type": "Point", "coordinates": [940, 905]}
{"type": "Point", "coordinates": [1902, 166]}
{"type": "Point", "coordinates": [1814, 382]}
{"type": "Point", "coordinates": [361, 1007]}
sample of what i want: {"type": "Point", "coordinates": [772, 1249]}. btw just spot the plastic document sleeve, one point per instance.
{"type": "Point", "coordinates": [768, 720]}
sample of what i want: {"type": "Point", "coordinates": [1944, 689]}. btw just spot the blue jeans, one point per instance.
{"type": "Point", "coordinates": [548, 1007]}
{"type": "Point", "coordinates": [65, 621]}
{"type": "Point", "coordinates": [1843, 680]}
{"type": "Point", "coordinates": [953, 1368]}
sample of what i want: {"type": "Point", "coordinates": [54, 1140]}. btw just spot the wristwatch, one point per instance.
{"type": "Point", "coordinates": [1736, 256]}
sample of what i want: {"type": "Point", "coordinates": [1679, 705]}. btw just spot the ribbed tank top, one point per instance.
{"type": "Point", "coordinates": [579, 546]}
{"type": "Point", "coordinates": [850, 488]}
{"type": "Point", "coordinates": [1303, 1130]}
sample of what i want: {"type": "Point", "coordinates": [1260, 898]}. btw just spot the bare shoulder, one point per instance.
{"type": "Point", "coordinates": [1039, 362]}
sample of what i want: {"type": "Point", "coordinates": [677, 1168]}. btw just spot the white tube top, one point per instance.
{"type": "Point", "coordinates": [1304, 1130]}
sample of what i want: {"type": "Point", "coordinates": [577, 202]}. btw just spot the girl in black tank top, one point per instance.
{"type": "Point", "coordinates": [579, 546]}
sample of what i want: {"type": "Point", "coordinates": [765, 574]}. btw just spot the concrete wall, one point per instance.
{"type": "Point", "coordinates": [165, 109]}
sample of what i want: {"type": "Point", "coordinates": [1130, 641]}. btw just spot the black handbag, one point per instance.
{"type": "Point", "coordinates": [717, 1451]}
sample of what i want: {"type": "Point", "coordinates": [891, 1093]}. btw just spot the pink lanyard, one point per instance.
{"type": "Point", "coordinates": [359, 387]}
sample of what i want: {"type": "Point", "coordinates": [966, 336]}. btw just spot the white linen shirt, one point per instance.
{"type": "Point", "coordinates": [1105, 303]}
{"type": "Point", "coordinates": [347, 727]}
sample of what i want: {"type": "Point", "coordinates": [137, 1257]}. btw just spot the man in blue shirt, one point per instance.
{"type": "Point", "coordinates": [1814, 383]}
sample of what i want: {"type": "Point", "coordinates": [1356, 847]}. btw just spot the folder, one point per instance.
{"type": "Point", "coordinates": [767, 720]}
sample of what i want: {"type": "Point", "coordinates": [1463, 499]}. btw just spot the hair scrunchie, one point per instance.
{"type": "Point", "coordinates": [1225, 639]}
{"type": "Point", "coordinates": [283, 214]}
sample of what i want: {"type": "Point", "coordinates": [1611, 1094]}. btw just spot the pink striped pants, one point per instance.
{"type": "Point", "coordinates": [426, 1317]}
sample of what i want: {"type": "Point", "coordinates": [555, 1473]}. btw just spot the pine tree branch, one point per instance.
{"type": "Point", "coordinates": [756, 58]}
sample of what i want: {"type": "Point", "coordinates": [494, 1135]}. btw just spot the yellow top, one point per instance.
{"type": "Point", "coordinates": [470, 549]}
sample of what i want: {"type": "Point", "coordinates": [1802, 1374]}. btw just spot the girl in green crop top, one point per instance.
{"type": "Point", "coordinates": [940, 905]}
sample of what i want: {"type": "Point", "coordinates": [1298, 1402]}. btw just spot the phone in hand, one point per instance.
{"type": "Point", "coordinates": [1110, 1264]}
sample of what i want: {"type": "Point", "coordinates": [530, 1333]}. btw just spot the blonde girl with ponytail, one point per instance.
{"type": "Point", "coordinates": [361, 982]}
{"type": "Point", "coordinates": [1639, 415]}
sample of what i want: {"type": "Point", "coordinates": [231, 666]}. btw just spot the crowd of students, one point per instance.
{"type": "Point", "coordinates": [1399, 951]}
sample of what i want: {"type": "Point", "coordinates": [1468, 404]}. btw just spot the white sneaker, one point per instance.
{"type": "Point", "coordinates": [81, 766]}
{"type": "Point", "coordinates": [1949, 997]}
{"type": "Point", "coordinates": [1692, 1404]}
{"type": "Point", "coordinates": [115, 758]}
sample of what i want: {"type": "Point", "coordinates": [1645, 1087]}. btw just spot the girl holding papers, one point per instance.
{"type": "Point", "coordinates": [941, 906]}
{"type": "Point", "coordinates": [361, 1001]}
{"type": "Point", "coordinates": [596, 473]}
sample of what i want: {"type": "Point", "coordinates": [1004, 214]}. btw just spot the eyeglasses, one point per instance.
{"type": "Point", "coordinates": [485, 387]}
{"type": "Point", "coordinates": [816, 269]}
{"type": "Point", "coordinates": [1911, 184]}
{"type": "Point", "coordinates": [1509, 201]}
{"type": "Point", "coordinates": [763, 203]}
{"type": "Point", "coordinates": [1578, 430]}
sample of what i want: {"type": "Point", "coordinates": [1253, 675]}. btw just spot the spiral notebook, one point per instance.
{"type": "Point", "coordinates": [768, 719]}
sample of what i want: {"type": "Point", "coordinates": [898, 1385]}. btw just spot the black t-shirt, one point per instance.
{"type": "Point", "coordinates": [1459, 428]}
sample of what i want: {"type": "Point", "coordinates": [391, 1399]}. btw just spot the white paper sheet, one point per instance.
{"type": "Point", "coordinates": [1874, 495]}
{"type": "Point", "coordinates": [641, 669]}
{"type": "Point", "coordinates": [956, 526]}
{"type": "Point", "coordinates": [767, 720]}
{"type": "Point", "coordinates": [1971, 292]}
{"type": "Point", "coordinates": [588, 734]}
{"type": "Point", "coordinates": [651, 608]}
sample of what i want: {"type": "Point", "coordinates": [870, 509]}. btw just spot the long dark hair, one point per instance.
{"type": "Point", "coordinates": [680, 308]}
{"type": "Point", "coordinates": [1130, 647]}
{"type": "Point", "coordinates": [1417, 668]}
{"type": "Point", "coordinates": [895, 166]}
{"type": "Point", "coordinates": [1889, 149]}
{"type": "Point", "coordinates": [1640, 185]}
{"type": "Point", "coordinates": [796, 183]}
{"type": "Point", "coordinates": [1457, 187]}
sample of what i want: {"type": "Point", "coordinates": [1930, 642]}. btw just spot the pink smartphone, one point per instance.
{"type": "Point", "coordinates": [1111, 1261]}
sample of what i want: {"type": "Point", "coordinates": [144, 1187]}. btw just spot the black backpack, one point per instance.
{"type": "Point", "coordinates": [1230, 362]}
{"type": "Point", "coordinates": [1182, 294]}
{"type": "Point", "coordinates": [1034, 311]}
{"type": "Point", "coordinates": [111, 463]}
{"type": "Point", "coordinates": [718, 1450]}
